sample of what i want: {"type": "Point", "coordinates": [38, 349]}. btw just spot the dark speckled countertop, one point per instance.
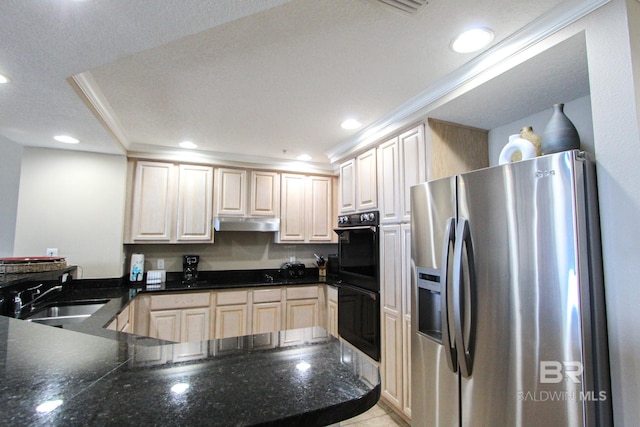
{"type": "Point", "coordinates": [102, 378]}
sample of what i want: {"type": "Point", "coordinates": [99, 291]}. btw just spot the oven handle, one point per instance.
{"type": "Point", "coordinates": [370, 294]}
{"type": "Point", "coordinates": [373, 228]}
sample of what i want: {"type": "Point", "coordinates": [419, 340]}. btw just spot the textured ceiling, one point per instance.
{"type": "Point", "coordinates": [247, 80]}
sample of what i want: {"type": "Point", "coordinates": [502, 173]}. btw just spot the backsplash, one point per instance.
{"type": "Point", "coordinates": [230, 251]}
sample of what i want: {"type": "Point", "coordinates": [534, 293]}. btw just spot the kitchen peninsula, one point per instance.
{"type": "Point", "coordinates": [53, 376]}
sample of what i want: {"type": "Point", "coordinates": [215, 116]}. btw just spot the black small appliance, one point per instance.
{"type": "Point", "coordinates": [292, 270]}
{"type": "Point", "coordinates": [190, 268]}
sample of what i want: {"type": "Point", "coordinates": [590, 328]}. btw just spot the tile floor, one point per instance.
{"type": "Point", "coordinates": [378, 416]}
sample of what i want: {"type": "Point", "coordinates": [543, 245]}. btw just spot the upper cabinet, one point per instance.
{"type": "Point", "coordinates": [194, 203]}
{"type": "Point", "coordinates": [264, 193]}
{"type": "Point", "coordinates": [306, 209]}
{"type": "Point", "coordinates": [231, 192]}
{"type": "Point", "coordinates": [358, 183]}
{"type": "Point", "coordinates": [401, 164]}
{"type": "Point", "coordinates": [153, 201]}
{"type": "Point", "coordinates": [171, 203]}
{"type": "Point", "coordinates": [242, 192]}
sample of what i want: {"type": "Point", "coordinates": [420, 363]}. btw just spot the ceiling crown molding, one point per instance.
{"type": "Point", "coordinates": [547, 24]}
{"type": "Point", "coordinates": [90, 92]}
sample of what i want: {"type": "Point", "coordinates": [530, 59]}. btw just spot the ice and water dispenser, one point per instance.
{"type": "Point", "coordinates": [429, 305]}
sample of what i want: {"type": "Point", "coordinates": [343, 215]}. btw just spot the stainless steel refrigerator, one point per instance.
{"type": "Point", "coordinates": [508, 317]}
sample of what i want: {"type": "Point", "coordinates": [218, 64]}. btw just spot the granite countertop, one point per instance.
{"type": "Point", "coordinates": [103, 377]}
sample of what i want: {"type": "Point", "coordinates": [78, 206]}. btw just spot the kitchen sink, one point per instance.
{"type": "Point", "coordinates": [67, 313]}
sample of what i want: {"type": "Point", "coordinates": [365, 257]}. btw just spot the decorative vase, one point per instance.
{"type": "Point", "coordinates": [528, 134]}
{"type": "Point", "coordinates": [516, 145]}
{"type": "Point", "coordinates": [560, 134]}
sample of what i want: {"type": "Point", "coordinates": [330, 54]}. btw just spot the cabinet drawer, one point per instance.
{"type": "Point", "coordinates": [267, 295]}
{"type": "Point", "coordinates": [232, 297]}
{"type": "Point", "coordinates": [182, 300]}
{"type": "Point", "coordinates": [302, 292]}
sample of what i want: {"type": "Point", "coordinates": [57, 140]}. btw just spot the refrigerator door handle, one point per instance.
{"type": "Point", "coordinates": [449, 346]}
{"type": "Point", "coordinates": [464, 299]}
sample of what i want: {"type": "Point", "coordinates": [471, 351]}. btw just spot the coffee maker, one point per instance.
{"type": "Point", "coordinates": [190, 269]}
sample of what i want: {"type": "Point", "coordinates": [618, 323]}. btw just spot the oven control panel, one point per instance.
{"type": "Point", "coordinates": [364, 218]}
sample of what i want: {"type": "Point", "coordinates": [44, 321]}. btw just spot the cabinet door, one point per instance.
{"type": "Point", "coordinates": [231, 192]}
{"type": "Point", "coordinates": [332, 310]}
{"type": "Point", "coordinates": [266, 317]}
{"type": "Point", "coordinates": [405, 232]}
{"type": "Point", "coordinates": [366, 181]}
{"type": "Point", "coordinates": [231, 321]}
{"type": "Point", "coordinates": [292, 213]}
{"type": "Point", "coordinates": [264, 198]}
{"type": "Point", "coordinates": [165, 325]}
{"type": "Point", "coordinates": [124, 320]}
{"type": "Point", "coordinates": [302, 313]}
{"type": "Point", "coordinates": [413, 166]}
{"type": "Point", "coordinates": [391, 328]}
{"type": "Point", "coordinates": [152, 201]}
{"type": "Point", "coordinates": [194, 334]}
{"type": "Point", "coordinates": [194, 203]}
{"type": "Point", "coordinates": [319, 209]}
{"type": "Point", "coordinates": [389, 181]}
{"type": "Point", "coordinates": [347, 187]}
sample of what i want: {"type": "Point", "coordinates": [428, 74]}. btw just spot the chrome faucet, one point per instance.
{"type": "Point", "coordinates": [18, 306]}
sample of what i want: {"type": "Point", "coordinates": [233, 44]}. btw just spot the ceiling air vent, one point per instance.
{"type": "Point", "coordinates": [407, 6]}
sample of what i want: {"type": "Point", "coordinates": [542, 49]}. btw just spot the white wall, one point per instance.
{"type": "Point", "coordinates": [73, 201]}
{"type": "Point", "coordinates": [10, 158]}
{"type": "Point", "coordinates": [615, 104]}
{"type": "Point", "coordinates": [578, 111]}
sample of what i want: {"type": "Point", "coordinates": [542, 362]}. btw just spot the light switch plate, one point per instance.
{"type": "Point", "coordinates": [52, 251]}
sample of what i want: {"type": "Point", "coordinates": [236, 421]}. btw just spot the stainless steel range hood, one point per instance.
{"type": "Point", "coordinates": [230, 223]}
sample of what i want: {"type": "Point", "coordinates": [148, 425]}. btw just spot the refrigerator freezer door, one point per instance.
{"type": "Point", "coordinates": [528, 358]}
{"type": "Point", "coordinates": [434, 384]}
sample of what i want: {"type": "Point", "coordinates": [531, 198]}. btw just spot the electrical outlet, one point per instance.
{"type": "Point", "coordinates": [52, 251]}
{"type": "Point", "coordinates": [161, 264]}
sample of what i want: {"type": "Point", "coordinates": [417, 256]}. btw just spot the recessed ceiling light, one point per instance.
{"type": "Point", "coordinates": [66, 139]}
{"type": "Point", "coordinates": [304, 157]}
{"type": "Point", "coordinates": [4, 79]}
{"type": "Point", "coordinates": [350, 124]}
{"type": "Point", "coordinates": [188, 144]}
{"type": "Point", "coordinates": [472, 40]}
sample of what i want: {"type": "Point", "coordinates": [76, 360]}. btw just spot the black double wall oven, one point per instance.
{"type": "Point", "coordinates": [359, 281]}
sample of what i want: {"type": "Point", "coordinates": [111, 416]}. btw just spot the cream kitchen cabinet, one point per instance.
{"type": "Point", "coordinates": [332, 310]}
{"type": "Point", "coordinates": [240, 192]}
{"type": "Point", "coordinates": [401, 164]}
{"type": "Point", "coordinates": [264, 193]}
{"type": "Point", "coordinates": [170, 203]}
{"type": "Point", "coordinates": [347, 187]}
{"type": "Point", "coordinates": [391, 329]}
{"type": "Point", "coordinates": [306, 210]}
{"type": "Point", "coordinates": [267, 313]}
{"type": "Point", "coordinates": [182, 318]}
{"type": "Point", "coordinates": [358, 183]}
{"type": "Point", "coordinates": [231, 192]}
{"type": "Point", "coordinates": [303, 308]}
{"type": "Point", "coordinates": [231, 313]}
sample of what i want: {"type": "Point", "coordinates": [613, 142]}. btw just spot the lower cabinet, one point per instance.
{"type": "Point", "coordinates": [332, 310]}
{"type": "Point", "coordinates": [231, 314]}
{"type": "Point", "coordinates": [267, 312]}
{"type": "Point", "coordinates": [192, 318]}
